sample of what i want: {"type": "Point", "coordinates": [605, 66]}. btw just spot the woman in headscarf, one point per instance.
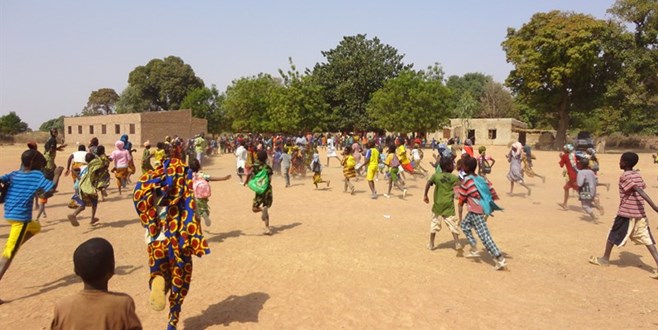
{"type": "Point", "coordinates": [164, 201]}
{"type": "Point", "coordinates": [121, 158]}
{"type": "Point", "coordinates": [569, 162]}
{"type": "Point", "coordinates": [515, 173]}
{"type": "Point", "coordinates": [131, 164]}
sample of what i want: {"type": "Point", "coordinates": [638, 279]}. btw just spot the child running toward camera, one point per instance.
{"type": "Point", "coordinates": [262, 201]}
{"type": "Point", "coordinates": [316, 167]}
{"type": "Point", "coordinates": [349, 172]}
{"type": "Point", "coordinates": [202, 190]}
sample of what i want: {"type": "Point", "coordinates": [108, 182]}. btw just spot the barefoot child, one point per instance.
{"type": "Point", "coordinates": [586, 180]}
{"type": "Point", "coordinates": [478, 194]}
{"type": "Point", "coordinates": [95, 307]}
{"type": "Point", "coordinates": [443, 209]}
{"type": "Point", "coordinates": [262, 201]}
{"type": "Point", "coordinates": [316, 167]}
{"type": "Point", "coordinates": [371, 161]}
{"type": "Point", "coordinates": [631, 221]}
{"type": "Point", "coordinates": [202, 190]}
{"type": "Point", "coordinates": [23, 186]}
{"type": "Point", "coordinates": [393, 164]}
{"type": "Point", "coordinates": [485, 162]}
{"type": "Point", "coordinates": [515, 173]}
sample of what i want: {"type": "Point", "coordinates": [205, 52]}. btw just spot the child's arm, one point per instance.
{"type": "Point", "coordinates": [68, 165]}
{"type": "Point", "coordinates": [646, 197]}
{"type": "Point", "coordinates": [427, 189]}
{"type": "Point", "coordinates": [218, 178]}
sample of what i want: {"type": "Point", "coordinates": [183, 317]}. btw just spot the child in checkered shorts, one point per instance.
{"type": "Point", "coordinates": [443, 209]}
{"type": "Point", "coordinates": [470, 194]}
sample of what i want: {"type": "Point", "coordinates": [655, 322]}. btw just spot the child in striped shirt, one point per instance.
{"type": "Point", "coordinates": [631, 221]}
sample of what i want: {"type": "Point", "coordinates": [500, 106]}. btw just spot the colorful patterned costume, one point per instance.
{"type": "Point", "coordinates": [164, 200]}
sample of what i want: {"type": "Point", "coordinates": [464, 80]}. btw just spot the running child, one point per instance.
{"type": "Point", "coordinates": [515, 173]}
{"type": "Point", "coordinates": [443, 208]}
{"type": "Point", "coordinates": [586, 180]}
{"type": "Point", "coordinates": [349, 172]}
{"type": "Point", "coordinates": [202, 190]}
{"type": "Point", "coordinates": [485, 162]}
{"type": "Point", "coordinates": [568, 161]}
{"type": "Point", "coordinates": [631, 221]}
{"type": "Point", "coordinates": [478, 194]}
{"type": "Point", "coordinates": [121, 158]}
{"type": "Point", "coordinates": [371, 160]}
{"type": "Point", "coordinates": [23, 186]}
{"type": "Point", "coordinates": [316, 167]}
{"type": "Point", "coordinates": [262, 202]}
{"type": "Point", "coordinates": [526, 160]}
{"type": "Point", "coordinates": [146, 158]}
{"type": "Point", "coordinates": [393, 163]}
{"type": "Point", "coordinates": [95, 307]}
{"type": "Point", "coordinates": [286, 162]}
{"type": "Point", "coordinates": [84, 194]}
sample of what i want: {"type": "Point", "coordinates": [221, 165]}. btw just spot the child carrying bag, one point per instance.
{"type": "Point", "coordinates": [486, 200]}
{"type": "Point", "coordinates": [259, 182]}
{"type": "Point", "coordinates": [200, 186]}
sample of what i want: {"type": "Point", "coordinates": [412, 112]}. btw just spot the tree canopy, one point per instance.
{"type": "Point", "coordinates": [353, 71]}
{"type": "Point", "coordinates": [101, 102]}
{"type": "Point", "coordinates": [207, 103]}
{"type": "Point", "coordinates": [57, 123]}
{"type": "Point", "coordinates": [12, 124]}
{"type": "Point", "coordinates": [248, 102]}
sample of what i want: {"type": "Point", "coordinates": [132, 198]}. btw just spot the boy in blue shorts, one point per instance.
{"type": "Point", "coordinates": [23, 186]}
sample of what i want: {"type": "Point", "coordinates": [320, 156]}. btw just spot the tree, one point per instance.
{"type": "Point", "coordinates": [207, 103]}
{"type": "Point", "coordinates": [131, 101]}
{"type": "Point", "coordinates": [164, 83]}
{"type": "Point", "coordinates": [101, 102]}
{"type": "Point", "coordinates": [12, 124]}
{"type": "Point", "coordinates": [353, 71]}
{"type": "Point", "coordinates": [299, 106]}
{"type": "Point", "coordinates": [632, 99]}
{"type": "Point", "coordinates": [560, 64]}
{"type": "Point", "coordinates": [57, 123]}
{"type": "Point", "coordinates": [496, 102]}
{"type": "Point", "coordinates": [411, 102]}
{"type": "Point", "coordinates": [248, 102]}
{"type": "Point", "coordinates": [474, 83]}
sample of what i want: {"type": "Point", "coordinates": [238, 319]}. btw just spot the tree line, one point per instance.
{"type": "Point", "coordinates": [569, 70]}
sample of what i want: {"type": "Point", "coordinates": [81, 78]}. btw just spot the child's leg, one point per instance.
{"type": "Point", "coordinates": [525, 186]}
{"type": "Point", "coordinates": [654, 253]}
{"type": "Point", "coordinates": [265, 216]}
{"type": "Point", "coordinates": [485, 236]}
{"type": "Point", "coordinates": [390, 185]}
{"type": "Point", "coordinates": [467, 225]}
{"type": "Point", "coordinates": [511, 187]}
{"type": "Point", "coordinates": [73, 217]}
{"type": "Point", "coordinates": [566, 198]}
{"type": "Point", "coordinates": [94, 207]}
{"type": "Point", "coordinates": [587, 207]}
{"type": "Point", "coordinates": [287, 175]}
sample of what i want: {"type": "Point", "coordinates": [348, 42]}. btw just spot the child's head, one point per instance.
{"type": "Point", "coordinates": [262, 156]}
{"type": "Point", "coordinates": [469, 165]}
{"type": "Point", "coordinates": [195, 166]}
{"type": "Point", "coordinates": [93, 260]}
{"type": "Point", "coordinates": [391, 148]}
{"type": "Point", "coordinates": [28, 158]}
{"type": "Point", "coordinates": [482, 150]}
{"type": "Point", "coordinates": [628, 160]}
{"type": "Point", "coordinates": [82, 148]}
{"type": "Point", "coordinates": [584, 162]}
{"type": "Point", "coordinates": [447, 165]}
{"type": "Point", "coordinates": [89, 157]}
{"type": "Point", "coordinates": [100, 150]}
{"type": "Point", "coordinates": [347, 151]}
{"type": "Point", "coordinates": [147, 144]}
{"type": "Point", "coordinates": [160, 145]}
{"type": "Point", "coordinates": [32, 145]}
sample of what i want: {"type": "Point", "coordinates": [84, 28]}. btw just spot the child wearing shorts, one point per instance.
{"type": "Point", "coordinates": [262, 202]}
{"type": "Point", "coordinates": [349, 172]}
{"type": "Point", "coordinates": [443, 208]}
{"type": "Point", "coordinates": [202, 208]}
{"type": "Point", "coordinates": [631, 221]}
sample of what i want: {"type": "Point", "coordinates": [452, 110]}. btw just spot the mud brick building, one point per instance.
{"type": "Point", "coordinates": [140, 127]}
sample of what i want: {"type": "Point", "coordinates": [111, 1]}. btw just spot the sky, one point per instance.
{"type": "Point", "coordinates": [53, 54]}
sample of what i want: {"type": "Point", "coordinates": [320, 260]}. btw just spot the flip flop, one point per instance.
{"type": "Point", "coordinates": [654, 275]}
{"type": "Point", "coordinates": [597, 261]}
{"type": "Point", "coordinates": [157, 297]}
{"type": "Point", "coordinates": [95, 222]}
{"type": "Point", "coordinates": [73, 220]}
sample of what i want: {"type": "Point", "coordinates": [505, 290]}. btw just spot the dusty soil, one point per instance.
{"type": "Point", "coordinates": [342, 261]}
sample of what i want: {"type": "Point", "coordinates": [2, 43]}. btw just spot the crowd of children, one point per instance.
{"type": "Point", "coordinates": [171, 191]}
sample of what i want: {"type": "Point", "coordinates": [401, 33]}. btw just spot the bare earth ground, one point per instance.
{"type": "Point", "coordinates": [341, 261]}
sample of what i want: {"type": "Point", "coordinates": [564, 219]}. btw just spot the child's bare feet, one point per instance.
{"type": "Point", "coordinates": [95, 221]}
{"type": "Point", "coordinates": [458, 246]}
{"type": "Point", "coordinates": [157, 296]}
{"type": "Point", "coordinates": [564, 206]}
{"type": "Point", "coordinates": [653, 275]}
{"type": "Point", "coordinates": [267, 231]}
{"type": "Point", "coordinates": [430, 246]}
{"type": "Point", "coordinates": [74, 220]}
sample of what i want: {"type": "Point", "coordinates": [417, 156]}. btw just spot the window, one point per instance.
{"type": "Point", "coordinates": [79, 129]}
{"type": "Point", "coordinates": [103, 129]}
{"type": "Point", "coordinates": [132, 129]}
{"type": "Point", "coordinates": [117, 129]}
{"type": "Point", "coordinates": [492, 134]}
{"type": "Point", "coordinates": [70, 130]}
{"type": "Point", "coordinates": [91, 129]}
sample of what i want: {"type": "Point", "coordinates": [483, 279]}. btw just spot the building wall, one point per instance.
{"type": "Point", "coordinates": [153, 126]}
{"type": "Point", "coordinates": [505, 130]}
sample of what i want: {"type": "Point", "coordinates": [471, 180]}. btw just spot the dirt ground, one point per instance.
{"type": "Point", "coordinates": [342, 261]}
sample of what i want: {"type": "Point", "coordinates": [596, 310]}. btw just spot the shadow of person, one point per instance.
{"type": "Point", "coordinates": [628, 259]}
{"type": "Point", "coordinates": [125, 270]}
{"type": "Point", "coordinates": [277, 229]}
{"type": "Point", "coordinates": [222, 236]}
{"type": "Point", "coordinates": [241, 309]}
{"type": "Point", "coordinates": [53, 285]}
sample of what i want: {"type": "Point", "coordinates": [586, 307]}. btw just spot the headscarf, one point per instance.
{"type": "Point", "coordinates": [568, 147]}
{"type": "Point", "coordinates": [572, 155]}
{"type": "Point", "coordinates": [468, 142]}
{"type": "Point", "coordinates": [519, 149]}
{"type": "Point", "coordinates": [119, 144]}
{"type": "Point", "coordinates": [126, 143]}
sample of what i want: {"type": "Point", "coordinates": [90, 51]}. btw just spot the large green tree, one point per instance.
{"type": "Point", "coordinates": [164, 83]}
{"type": "Point", "coordinates": [632, 105]}
{"type": "Point", "coordinates": [560, 64]}
{"type": "Point", "coordinates": [411, 102]}
{"type": "Point", "coordinates": [131, 100]}
{"type": "Point", "coordinates": [472, 83]}
{"type": "Point", "coordinates": [353, 71]}
{"type": "Point", "coordinates": [207, 103]}
{"type": "Point", "coordinates": [12, 124]}
{"type": "Point", "coordinates": [249, 100]}
{"type": "Point", "coordinates": [497, 102]}
{"type": "Point", "coordinates": [101, 102]}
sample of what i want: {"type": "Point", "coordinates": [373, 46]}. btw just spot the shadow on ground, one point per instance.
{"type": "Point", "coordinates": [240, 309]}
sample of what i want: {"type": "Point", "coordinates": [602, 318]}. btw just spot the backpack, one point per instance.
{"type": "Point", "coordinates": [584, 192]}
{"type": "Point", "coordinates": [200, 186]}
{"type": "Point", "coordinates": [485, 167]}
{"type": "Point", "coordinates": [486, 200]}
{"type": "Point", "coordinates": [259, 182]}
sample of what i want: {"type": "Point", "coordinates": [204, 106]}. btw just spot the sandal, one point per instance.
{"type": "Point", "coordinates": [654, 275]}
{"type": "Point", "coordinates": [157, 296]}
{"type": "Point", "coordinates": [598, 261]}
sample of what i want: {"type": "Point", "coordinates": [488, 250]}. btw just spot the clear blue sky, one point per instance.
{"type": "Point", "coordinates": [53, 54]}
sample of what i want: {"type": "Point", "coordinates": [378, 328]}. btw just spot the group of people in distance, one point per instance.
{"type": "Point", "coordinates": [171, 198]}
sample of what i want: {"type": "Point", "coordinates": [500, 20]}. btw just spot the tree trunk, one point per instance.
{"type": "Point", "coordinates": [563, 124]}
